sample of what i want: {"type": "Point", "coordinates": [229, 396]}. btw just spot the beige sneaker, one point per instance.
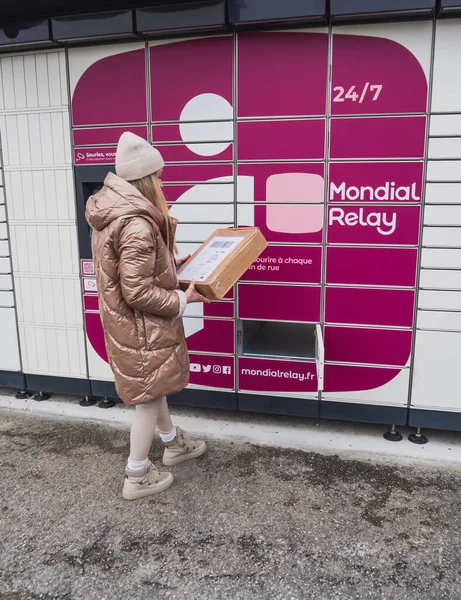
{"type": "Point", "coordinates": [148, 481]}
{"type": "Point", "coordinates": [182, 448]}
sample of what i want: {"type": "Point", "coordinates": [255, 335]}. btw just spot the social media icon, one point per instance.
{"type": "Point", "coordinates": [226, 370]}
{"type": "Point", "coordinates": [216, 369]}
{"type": "Point", "coordinates": [206, 368]}
{"type": "Point", "coordinates": [195, 368]}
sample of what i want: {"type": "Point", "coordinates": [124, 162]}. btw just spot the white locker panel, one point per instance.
{"type": "Point", "coordinates": [6, 282]}
{"type": "Point", "coordinates": [444, 147]}
{"type": "Point", "coordinates": [446, 87]}
{"type": "Point", "coordinates": [445, 125]}
{"type": "Point", "coordinates": [9, 348]}
{"type": "Point", "coordinates": [437, 375]}
{"type": "Point", "coordinates": [196, 213]}
{"type": "Point", "coordinates": [2, 189]}
{"type": "Point", "coordinates": [36, 139]}
{"type": "Point", "coordinates": [442, 237]}
{"type": "Point", "coordinates": [440, 280]}
{"type": "Point", "coordinates": [444, 170]}
{"type": "Point", "coordinates": [6, 299]}
{"type": "Point", "coordinates": [431, 299]}
{"type": "Point", "coordinates": [206, 192]}
{"type": "Point", "coordinates": [4, 248]}
{"type": "Point", "coordinates": [49, 301]}
{"type": "Point", "coordinates": [32, 81]}
{"type": "Point", "coordinates": [441, 258]}
{"type": "Point", "coordinates": [198, 233]}
{"type": "Point", "coordinates": [2, 213]}
{"type": "Point", "coordinates": [42, 195]}
{"type": "Point", "coordinates": [5, 265]}
{"type": "Point", "coordinates": [438, 320]}
{"type": "Point", "coordinates": [442, 215]}
{"type": "Point", "coordinates": [52, 351]}
{"type": "Point", "coordinates": [3, 231]}
{"type": "Point", "coordinates": [443, 193]}
{"type": "Point", "coordinates": [45, 249]}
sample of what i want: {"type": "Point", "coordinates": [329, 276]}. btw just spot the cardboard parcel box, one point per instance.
{"type": "Point", "coordinates": [220, 261]}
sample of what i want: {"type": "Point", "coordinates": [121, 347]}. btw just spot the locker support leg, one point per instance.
{"type": "Point", "coordinates": [41, 396]}
{"type": "Point", "coordinates": [88, 401]}
{"type": "Point", "coordinates": [418, 437]}
{"type": "Point", "coordinates": [23, 395]}
{"type": "Point", "coordinates": [393, 435]}
{"type": "Point", "coordinates": [106, 403]}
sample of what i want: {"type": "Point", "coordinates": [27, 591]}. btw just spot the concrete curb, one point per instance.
{"type": "Point", "coordinates": [358, 441]}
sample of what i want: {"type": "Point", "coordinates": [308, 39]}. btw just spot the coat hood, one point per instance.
{"type": "Point", "coordinates": [116, 199]}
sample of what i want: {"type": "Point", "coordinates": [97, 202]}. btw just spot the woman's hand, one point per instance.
{"type": "Point", "coordinates": [181, 261]}
{"type": "Point", "coordinates": [193, 296]}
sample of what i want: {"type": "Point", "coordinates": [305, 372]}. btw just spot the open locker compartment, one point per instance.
{"type": "Point", "coordinates": [284, 341]}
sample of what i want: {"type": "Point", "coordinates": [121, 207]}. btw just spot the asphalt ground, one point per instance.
{"type": "Point", "coordinates": [242, 522]}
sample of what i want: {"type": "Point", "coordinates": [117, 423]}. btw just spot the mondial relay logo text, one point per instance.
{"type": "Point", "coordinates": [279, 374]}
{"type": "Point", "coordinates": [384, 222]}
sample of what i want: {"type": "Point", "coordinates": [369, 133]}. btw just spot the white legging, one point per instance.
{"type": "Point", "coordinates": [146, 419]}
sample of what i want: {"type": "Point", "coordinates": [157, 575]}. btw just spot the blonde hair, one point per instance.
{"type": "Point", "coordinates": [151, 189]}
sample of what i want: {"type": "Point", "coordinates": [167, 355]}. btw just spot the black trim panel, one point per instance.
{"type": "Point", "coordinates": [274, 11]}
{"type": "Point", "coordinates": [199, 16]}
{"type": "Point", "coordinates": [12, 379]}
{"type": "Point", "coordinates": [21, 34]}
{"type": "Point", "coordinates": [58, 385]}
{"type": "Point", "coordinates": [103, 389]}
{"type": "Point", "coordinates": [435, 419]}
{"type": "Point", "coordinates": [106, 25]}
{"type": "Point", "coordinates": [205, 399]}
{"type": "Point", "coordinates": [363, 413]}
{"type": "Point", "coordinates": [344, 10]}
{"type": "Point", "coordinates": [278, 405]}
{"type": "Point", "coordinates": [85, 178]}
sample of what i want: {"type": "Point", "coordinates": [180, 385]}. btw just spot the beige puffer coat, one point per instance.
{"type": "Point", "coordinates": [136, 279]}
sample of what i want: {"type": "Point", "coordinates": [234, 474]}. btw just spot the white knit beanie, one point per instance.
{"type": "Point", "coordinates": [136, 158]}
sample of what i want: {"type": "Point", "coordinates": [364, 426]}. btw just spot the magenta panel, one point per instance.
{"type": "Point", "coordinates": [285, 182]}
{"type": "Point", "coordinates": [105, 135]}
{"type": "Point", "coordinates": [224, 310]}
{"type": "Point", "coordinates": [95, 334]}
{"type": "Point", "coordinates": [372, 266]}
{"type": "Point", "coordinates": [374, 75]}
{"type": "Point", "coordinates": [287, 264]}
{"type": "Point", "coordinates": [340, 378]}
{"type": "Point", "coordinates": [212, 371]}
{"type": "Point", "coordinates": [368, 224]}
{"type": "Point", "coordinates": [283, 376]}
{"type": "Point", "coordinates": [300, 224]}
{"type": "Point", "coordinates": [282, 73]}
{"type": "Point", "coordinates": [94, 156]}
{"type": "Point", "coordinates": [281, 140]}
{"type": "Point", "coordinates": [195, 173]}
{"type": "Point", "coordinates": [279, 303]}
{"type": "Point", "coordinates": [369, 182]}
{"type": "Point", "coordinates": [372, 346]}
{"type": "Point", "coordinates": [362, 306]}
{"type": "Point", "coordinates": [90, 303]}
{"type": "Point", "coordinates": [112, 91]}
{"type": "Point", "coordinates": [183, 153]}
{"type": "Point", "coordinates": [217, 336]}
{"type": "Point", "coordinates": [182, 70]}
{"type": "Point", "coordinates": [378, 137]}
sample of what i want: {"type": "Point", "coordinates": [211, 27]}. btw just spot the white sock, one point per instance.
{"type": "Point", "coordinates": [168, 437]}
{"type": "Point", "coordinates": [136, 465]}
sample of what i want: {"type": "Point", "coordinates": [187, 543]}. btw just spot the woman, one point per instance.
{"type": "Point", "coordinates": [141, 307]}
